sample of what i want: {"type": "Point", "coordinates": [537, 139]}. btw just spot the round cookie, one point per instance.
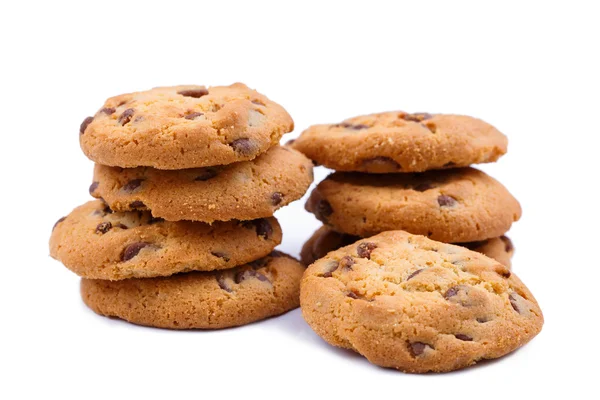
{"type": "Point", "coordinates": [97, 243]}
{"type": "Point", "coordinates": [406, 302]}
{"type": "Point", "coordinates": [326, 239]}
{"type": "Point", "coordinates": [183, 127]}
{"type": "Point", "coordinates": [402, 142]}
{"type": "Point", "coordinates": [452, 206]}
{"type": "Point", "coordinates": [205, 300]}
{"type": "Point", "coordinates": [246, 190]}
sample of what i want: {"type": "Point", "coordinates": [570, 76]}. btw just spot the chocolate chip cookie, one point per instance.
{"type": "Point", "coordinates": [246, 190]}
{"type": "Point", "coordinates": [452, 206]}
{"type": "Point", "coordinates": [326, 239]}
{"type": "Point", "coordinates": [183, 127]}
{"type": "Point", "coordinates": [402, 142]}
{"type": "Point", "coordinates": [406, 302]}
{"type": "Point", "coordinates": [95, 242]}
{"type": "Point", "coordinates": [207, 300]}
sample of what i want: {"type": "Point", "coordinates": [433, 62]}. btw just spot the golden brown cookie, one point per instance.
{"type": "Point", "coordinates": [95, 242]}
{"type": "Point", "coordinates": [326, 239]}
{"type": "Point", "coordinates": [183, 127]}
{"type": "Point", "coordinates": [207, 300]}
{"type": "Point", "coordinates": [245, 190]}
{"type": "Point", "coordinates": [452, 206]}
{"type": "Point", "coordinates": [406, 302]}
{"type": "Point", "coordinates": [402, 142]}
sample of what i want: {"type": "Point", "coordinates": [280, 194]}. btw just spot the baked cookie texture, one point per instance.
{"type": "Point", "coordinates": [452, 206]}
{"type": "Point", "coordinates": [206, 300]}
{"type": "Point", "coordinates": [95, 242]}
{"type": "Point", "coordinates": [184, 127]}
{"type": "Point", "coordinates": [326, 239]}
{"type": "Point", "coordinates": [406, 302]}
{"type": "Point", "coordinates": [243, 191]}
{"type": "Point", "coordinates": [402, 142]}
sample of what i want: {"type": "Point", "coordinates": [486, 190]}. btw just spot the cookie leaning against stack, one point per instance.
{"type": "Point", "coordinates": [409, 172]}
{"type": "Point", "coordinates": [183, 233]}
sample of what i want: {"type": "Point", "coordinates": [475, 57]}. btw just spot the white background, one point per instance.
{"type": "Point", "coordinates": [529, 68]}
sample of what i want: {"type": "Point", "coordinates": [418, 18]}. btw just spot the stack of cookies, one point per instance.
{"type": "Point", "coordinates": [400, 298]}
{"type": "Point", "coordinates": [182, 233]}
{"type": "Point", "coordinates": [411, 172]}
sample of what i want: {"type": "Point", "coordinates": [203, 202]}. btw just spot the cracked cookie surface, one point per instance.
{"type": "Point", "coordinates": [95, 242]}
{"type": "Point", "coordinates": [406, 302]}
{"type": "Point", "coordinates": [243, 191]}
{"type": "Point", "coordinates": [402, 142]}
{"type": "Point", "coordinates": [325, 239]}
{"type": "Point", "coordinates": [452, 206]}
{"type": "Point", "coordinates": [183, 127]}
{"type": "Point", "coordinates": [205, 300]}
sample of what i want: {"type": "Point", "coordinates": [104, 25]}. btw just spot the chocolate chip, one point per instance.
{"type": "Point", "coordinates": [243, 275]}
{"type": "Point", "coordinates": [417, 348]}
{"type": "Point", "coordinates": [262, 277]}
{"type": "Point", "coordinates": [417, 117]}
{"type": "Point", "coordinates": [126, 116]}
{"type": "Point", "coordinates": [85, 124]}
{"type": "Point", "coordinates": [108, 110]}
{"type": "Point", "coordinates": [103, 227]}
{"type": "Point", "coordinates": [223, 284]}
{"type": "Point", "coordinates": [346, 262]}
{"type": "Point", "coordinates": [417, 272]}
{"type": "Point", "coordinates": [276, 198]}
{"type": "Point", "coordinates": [508, 246]}
{"type": "Point", "coordinates": [381, 162]}
{"type": "Point", "coordinates": [263, 227]}
{"type": "Point", "coordinates": [482, 320]}
{"type": "Point", "coordinates": [195, 93]}
{"type": "Point", "coordinates": [193, 115]}
{"type": "Point", "coordinates": [352, 295]}
{"type": "Point", "coordinates": [423, 187]}
{"type": "Point", "coordinates": [503, 271]}
{"type": "Point", "coordinates": [331, 267]}
{"type": "Point", "coordinates": [58, 222]}
{"type": "Point", "coordinates": [222, 255]}
{"type": "Point", "coordinates": [206, 174]}
{"type": "Point", "coordinates": [453, 291]}
{"type": "Point", "coordinates": [132, 185]}
{"type": "Point", "coordinates": [323, 210]}
{"type": "Point", "coordinates": [132, 250]}
{"type": "Point", "coordinates": [465, 338]}
{"type": "Point", "coordinates": [348, 125]}
{"type": "Point", "coordinates": [152, 220]}
{"type": "Point", "coordinates": [513, 302]}
{"type": "Point", "coordinates": [365, 248]}
{"type": "Point", "coordinates": [446, 201]}
{"type": "Point", "coordinates": [136, 204]}
{"type": "Point", "coordinates": [244, 146]}
{"type": "Point", "coordinates": [122, 226]}
{"type": "Point", "coordinates": [93, 187]}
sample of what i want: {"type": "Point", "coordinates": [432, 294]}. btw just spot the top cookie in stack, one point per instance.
{"type": "Point", "coordinates": [183, 235]}
{"type": "Point", "coordinates": [401, 171]}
